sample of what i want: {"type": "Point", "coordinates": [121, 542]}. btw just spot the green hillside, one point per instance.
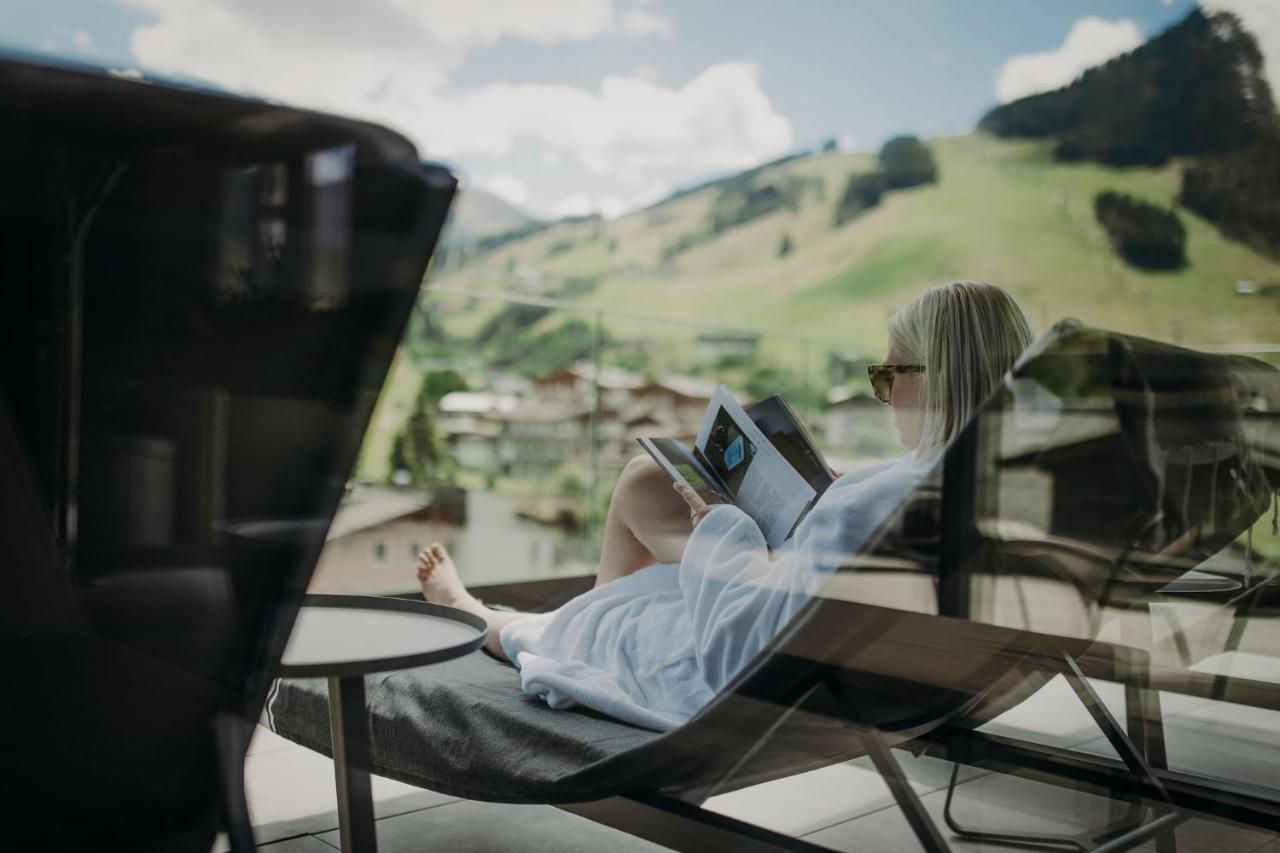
{"type": "Point", "coordinates": [1003, 211]}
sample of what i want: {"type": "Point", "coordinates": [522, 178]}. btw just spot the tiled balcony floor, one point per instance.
{"type": "Point", "coordinates": [844, 807]}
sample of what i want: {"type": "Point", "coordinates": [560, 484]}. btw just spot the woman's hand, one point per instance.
{"type": "Point", "coordinates": [698, 507]}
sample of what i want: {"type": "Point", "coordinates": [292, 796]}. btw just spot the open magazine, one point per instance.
{"type": "Point", "coordinates": [763, 461]}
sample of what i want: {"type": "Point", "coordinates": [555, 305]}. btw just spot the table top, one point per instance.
{"type": "Point", "coordinates": [1197, 581]}
{"type": "Point", "coordinates": [342, 635]}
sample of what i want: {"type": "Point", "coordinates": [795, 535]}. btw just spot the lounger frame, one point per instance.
{"type": "Point", "coordinates": [680, 825]}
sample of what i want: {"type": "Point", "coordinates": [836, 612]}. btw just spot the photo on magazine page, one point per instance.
{"type": "Point", "coordinates": [682, 466]}
{"type": "Point", "coordinates": [729, 451]}
{"type": "Point", "coordinates": [764, 485]}
{"type": "Point", "coordinates": [783, 428]}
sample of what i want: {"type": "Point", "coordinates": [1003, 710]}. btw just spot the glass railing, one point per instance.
{"type": "Point", "coordinates": [508, 418]}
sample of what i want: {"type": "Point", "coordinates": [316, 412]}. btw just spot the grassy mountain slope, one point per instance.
{"type": "Point", "coordinates": [1003, 211]}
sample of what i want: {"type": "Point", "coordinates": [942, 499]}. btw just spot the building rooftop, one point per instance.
{"type": "Point", "coordinates": [369, 506]}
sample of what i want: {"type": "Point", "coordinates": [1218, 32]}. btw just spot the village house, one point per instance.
{"type": "Point", "coordinates": [582, 380]}
{"type": "Point", "coordinates": [564, 413]}
{"type": "Point", "coordinates": [377, 533]}
{"type": "Point", "coordinates": [851, 413]}
{"type": "Point", "coordinates": [713, 345]}
{"type": "Point", "coordinates": [375, 538]}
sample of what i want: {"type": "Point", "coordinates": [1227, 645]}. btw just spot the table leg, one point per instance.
{"type": "Point", "coordinates": [349, 730]}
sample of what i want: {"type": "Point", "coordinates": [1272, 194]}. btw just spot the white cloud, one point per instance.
{"type": "Point", "coordinates": [647, 72]}
{"type": "Point", "coordinates": [336, 53]}
{"type": "Point", "coordinates": [721, 119]}
{"type": "Point", "coordinates": [577, 204]}
{"type": "Point", "coordinates": [397, 26]}
{"type": "Point", "coordinates": [390, 61]}
{"type": "Point", "coordinates": [81, 39]}
{"type": "Point", "coordinates": [1262, 19]}
{"type": "Point", "coordinates": [507, 187]}
{"type": "Point", "coordinates": [48, 45]}
{"type": "Point", "coordinates": [610, 207]}
{"type": "Point", "coordinates": [637, 23]}
{"type": "Point", "coordinates": [484, 22]}
{"type": "Point", "coordinates": [1090, 41]}
{"type": "Point", "coordinates": [656, 191]}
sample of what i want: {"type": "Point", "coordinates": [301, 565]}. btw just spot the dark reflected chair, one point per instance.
{"type": "Point", "coordinates": [1162, 475]}
{"type": "Point", "coordinates": [1085, 410]}
{"type": "Point", "coordinates": [199, 299]}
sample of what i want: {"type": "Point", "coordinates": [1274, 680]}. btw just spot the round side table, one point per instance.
{"type": "Point", "coordinates": [345, 637]}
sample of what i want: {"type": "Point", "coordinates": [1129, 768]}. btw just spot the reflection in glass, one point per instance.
{"type": "Point", "coordinates": [199, 299]}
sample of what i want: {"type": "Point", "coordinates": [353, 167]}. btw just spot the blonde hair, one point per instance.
{"type": "Point", "coordinates": [967, 334]}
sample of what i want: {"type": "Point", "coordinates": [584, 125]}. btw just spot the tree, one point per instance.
{"type": "Point", "coordinates": [741, 206]}
{"type": "Point", "coordinates": [437, 383]}
{"type": "Point", "coordinates": [535, 355]}
{"type": "Point", "coordinates": [509, 320]}
{"type": "Point", "coordinates": [398, 463]}
{"type": "Point", "coordinates": [863, 190]}
{"type": "Point", "coordinates": [570, 485]}
{"type": "Point", "coordinates": [906, 162]}
{"type": "Point", "coordinates": [1240, 193]}
{"type": "Point", "coordinates": [1144, 235]}
{"type": "Point", "coordinates": [416, 451]}
{"type": "Point", "coordinates": [765, 380]}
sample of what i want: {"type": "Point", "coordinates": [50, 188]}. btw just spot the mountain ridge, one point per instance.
{"type": "Point", "coordinates": [1003, 210]}
{"type": "Point", "coordinates": [1197, 89]}
{"type": "Point", "coordinates": [478, 213]}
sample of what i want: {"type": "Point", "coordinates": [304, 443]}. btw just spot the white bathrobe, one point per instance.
{"type": "Point", "coordinates": [656, 646]}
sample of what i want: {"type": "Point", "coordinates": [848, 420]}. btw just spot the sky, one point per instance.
{"type": "Point", "coordinates": [565, 107]}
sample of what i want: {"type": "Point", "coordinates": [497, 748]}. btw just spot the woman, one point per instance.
{"type": "Point", "coordinates": [687, 594]}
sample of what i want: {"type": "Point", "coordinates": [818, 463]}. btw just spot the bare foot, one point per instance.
{"type": "Point", "coordinates": [440, 582]}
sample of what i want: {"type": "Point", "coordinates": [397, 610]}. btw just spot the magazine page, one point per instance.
{"type": "Point", "coordinates": [763, 484]}
{"type": "Point", "coordinates": [783, 428]}
{"type": "Point", "coordinates": [683, 467]}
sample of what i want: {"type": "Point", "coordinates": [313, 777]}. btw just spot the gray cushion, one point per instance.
{"type": "Point", "coordinates": [438, 726]}
{"type": "Point", "coordinates": [466, 728]}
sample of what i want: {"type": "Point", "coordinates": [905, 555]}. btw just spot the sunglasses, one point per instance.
{"type": "Point", "coordinates": [881, 376]}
